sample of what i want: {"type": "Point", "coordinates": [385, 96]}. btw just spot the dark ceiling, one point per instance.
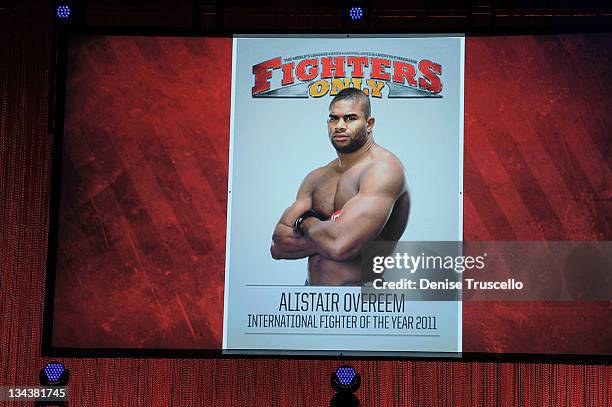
{"type": "Point", "coordinates": [477, 16]}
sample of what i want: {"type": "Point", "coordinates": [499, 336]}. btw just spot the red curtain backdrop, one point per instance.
{"type": "Point", "coordinates": [25, 158]}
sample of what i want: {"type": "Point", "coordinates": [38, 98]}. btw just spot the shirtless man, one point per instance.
{"type": "Point", "coordinates": [359, 197]}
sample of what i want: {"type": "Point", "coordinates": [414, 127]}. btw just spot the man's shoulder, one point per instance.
{"type": "Point", "coordinates": [313, 178]}
{"type": "Point", "coordinates": [386, 171]}
{"type": "Point", "coordinates": [321, 171]}
{"type": "Point", "coordinates": [386, 161]}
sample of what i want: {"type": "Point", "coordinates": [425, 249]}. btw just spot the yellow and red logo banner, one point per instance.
{"type": "Point", "coordinates": [321, 74]}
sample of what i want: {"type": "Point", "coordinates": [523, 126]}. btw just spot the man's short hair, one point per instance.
{"type": "Point", "coordinates": [356, 95]}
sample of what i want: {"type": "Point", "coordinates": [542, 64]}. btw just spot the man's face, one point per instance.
{"type": "Point", "coordinates": [347, 125]}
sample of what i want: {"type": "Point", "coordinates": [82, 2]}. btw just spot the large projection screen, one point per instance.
{"type": "Point", "coordinates": [179, 155]}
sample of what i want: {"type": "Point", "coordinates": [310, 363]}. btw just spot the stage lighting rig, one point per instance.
{"type": "Point", "coordinates": [54, 374]}
{"type": "Point", "coordinates": [63, 11]}
{"type": "Point", "coordinates": [68, 12]}
{"type": "Point", "coordinates": [356, 14]}
{"type": "Point", "coordinates": [345, 380]}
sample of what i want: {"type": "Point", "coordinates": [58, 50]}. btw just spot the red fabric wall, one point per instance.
{"type": "Point", "coordinates": [25, 157]}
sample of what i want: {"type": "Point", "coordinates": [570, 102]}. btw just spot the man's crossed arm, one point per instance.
{"type": "Point", "coordinates": [286, 243]}
{"type": "Point", "coordinates": [362, 219]}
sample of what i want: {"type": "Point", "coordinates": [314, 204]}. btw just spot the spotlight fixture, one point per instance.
{"type": "Point", "coordinates": [345, 380]}
{"type": "Point", "coordinates": [63, 12]}
{"type": "Point", "coordinates": [356, 13]}
{"type": "Point", "coordinates": [54, 374]}
{"type": "Point", "coordinates": [69, 12]}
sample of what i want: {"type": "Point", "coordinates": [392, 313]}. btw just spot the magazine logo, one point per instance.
{"type": "Point", "coordinates": [317, 75]}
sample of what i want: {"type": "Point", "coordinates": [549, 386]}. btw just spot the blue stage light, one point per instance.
{"type": "Point", "coordinates": [356, 13]}
{"type": "Point", "coordinates": [345, 375]}
{"type": "Point", "coordinates": [54, 371]}
{"type": "Point", "coordinates": [345, 380]}
{"type": "Point", "coordinates": [63, 11]}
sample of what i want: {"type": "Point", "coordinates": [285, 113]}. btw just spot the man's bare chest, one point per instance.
{"type": "Point", "coordinates": [333, 191]}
